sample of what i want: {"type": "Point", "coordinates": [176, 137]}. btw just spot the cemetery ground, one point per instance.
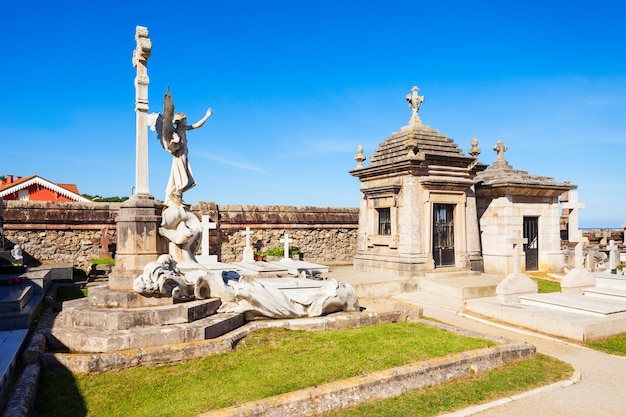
{"type": "Point", "coordinates": [276, 361]}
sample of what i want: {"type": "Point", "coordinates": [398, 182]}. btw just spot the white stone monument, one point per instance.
{"type": "Point", "coordinates": [516, 283]}
{"type": "Point", "coordinates": [612, 248]}
{"type": "Point", "coordinates": [205, 258]}
{"type": "Point", "coordinates": [286, 240]}
{"type": "Point", "coordinates": [579, 277]}
{"type": "Point", "coordinates": [248, 252]}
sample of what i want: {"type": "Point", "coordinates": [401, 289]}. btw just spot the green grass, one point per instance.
{"type": "Point", "coordinates": [265, 363]}
{"type": "Point", "coordinates": [70, 293]}
{"type": "Point", "coordinates": [615, 345]}
{"type": "Point", "coordinates": [512, 378]}
{"type": "Point", "coordinates": [103, 261]}
{"type": "Point", "coordinates": [544, 283]}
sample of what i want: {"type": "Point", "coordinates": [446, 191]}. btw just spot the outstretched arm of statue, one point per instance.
{"type": "Point", "coordinates": [199, 123]}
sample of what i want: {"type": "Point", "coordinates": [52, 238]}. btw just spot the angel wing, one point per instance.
{"type": "Point", "coordinates": [169, 139]}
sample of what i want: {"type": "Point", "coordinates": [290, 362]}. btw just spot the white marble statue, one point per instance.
{"type": "Point", "coordinates": [172, 132]}
{"type": "Point", "coordinates": [162, 277]}
{"type": "Point", "coordinates": [288, 298]}
{"type": "Point", "coordinates": [16, 254]}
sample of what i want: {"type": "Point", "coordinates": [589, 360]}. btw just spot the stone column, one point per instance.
{"type": "Point", "coordinates": [473, 234]}
{"type": "Point", "coordinates": [140, 61]}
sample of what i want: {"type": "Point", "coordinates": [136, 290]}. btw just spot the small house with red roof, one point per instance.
{"type": "Point", "coordinates": [36, 188]}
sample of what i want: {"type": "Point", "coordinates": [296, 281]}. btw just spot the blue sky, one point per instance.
{"type": "Point", "coordinates": [295, 86]}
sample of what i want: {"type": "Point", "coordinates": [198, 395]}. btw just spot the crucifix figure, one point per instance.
{"type": "Point", "coordinates": [500, 149]}
{"type": "Point", "coordinates": [286, 240]}
{"type": "Point", "coordinates": [415, 101]}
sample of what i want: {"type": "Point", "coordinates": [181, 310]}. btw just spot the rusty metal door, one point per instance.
{"type": "Point", "coordinates": [443, 235]}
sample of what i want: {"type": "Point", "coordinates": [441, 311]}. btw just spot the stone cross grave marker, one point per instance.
{"type": "Point", "coordinates": [140, 61]}
{"type": "Point", "coordinates": [518, 243]}
{"type": "Point", "coordinates": [207, 225]}
{"type": "Point", "coordinates": [612, 248]}
{"type": "Point", "coordinates": [574, 234]}
{"type": "Point", "coordinates": [248, 253]}
{"type": "Point", "coordinates": [286, 240]}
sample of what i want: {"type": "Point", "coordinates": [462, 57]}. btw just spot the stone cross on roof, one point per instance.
{"type": "Point", "coordinates": [500, 149]}
{"type": "Point", "coordinates": [415, 101]}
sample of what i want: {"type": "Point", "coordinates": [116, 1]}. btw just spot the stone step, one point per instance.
{"type": "Point", "coordinates": [461, 287]}
{"type": "Point", "coordinates": [83, 340]}
{"type": "Point", "coordinates": [605, 280]}
{"type": "Point", "coordinates": [13, 298]}
{"type": "Point", "coordinates": [574, 303]}
{"type": "Point", "coordinates": [81, 314]}
{"type": "Point", "coordinates": [22, 319]}
{"type": "Point", "coordinates": [606, 293]}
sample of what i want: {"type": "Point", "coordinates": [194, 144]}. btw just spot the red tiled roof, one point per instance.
{"type": "Point", "coordinates": [16, 182]}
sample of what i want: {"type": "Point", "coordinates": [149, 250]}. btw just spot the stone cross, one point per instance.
{"type": "Point", "coordinates": [500, 149]}
{"type": "Point", "coordinates": [248, 253]}
{"type": "Point", "coordinates": [140, 61]}
{"type": "Point", "coordinates": [612, 248]}
{"type": "Point", "coordinates": [415, 101]}
{"type": "Point", "coordinates": [286, 240]}
{"type": "Point", "coordinates": [573, 233]}
{"type": "Point", "coordinates": [518, 243]}
{"type": "Point", "coordinates": [206, 226]}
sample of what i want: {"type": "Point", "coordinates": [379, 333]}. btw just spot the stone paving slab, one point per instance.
{"type": "Point", "coordinates": [574, 303]}
{"type": "Point", "coordinates": [10, 343]}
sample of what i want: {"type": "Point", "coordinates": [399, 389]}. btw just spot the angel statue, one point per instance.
{"type": "Point", "coordinates": [172, 133]}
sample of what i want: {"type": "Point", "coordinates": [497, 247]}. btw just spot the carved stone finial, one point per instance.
{"type": "Point", "coordinates": [500, 149]}
{"type": "Point", "coordinates": [475, 151]}
{"type": "Point", "coordinates": [415, 101]}
{"type": "Point", "coordinates": [144, 46]}
{"type": "Point", "coordinates": [359, 157]}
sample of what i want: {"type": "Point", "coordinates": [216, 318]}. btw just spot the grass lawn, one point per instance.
{"type": "Point", "coordinates": [512, 378]}
{"type": "Point", "coordinates": [615, 345]}
{"type": "Point", "coordinates": [264, 364]}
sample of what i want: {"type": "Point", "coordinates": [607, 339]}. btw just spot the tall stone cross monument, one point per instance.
{"type": "Point", "coordinates": [137, 224]}
{"type": "Point", "coordinates": [579, 277]}
{"type": "Point", "coordinates": [140, 62]}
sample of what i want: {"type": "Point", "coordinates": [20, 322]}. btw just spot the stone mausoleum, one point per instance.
{"type": "Point", "coordinates": [426, 207]}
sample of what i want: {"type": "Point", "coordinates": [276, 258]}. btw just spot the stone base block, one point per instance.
{"type": "Point", "coordinates": [80, 314]}
{"type": "Point", "coordinates": [514, 285]}
{"type": "Point", "coordinates": [104, 297]}
{"type": "Point", "coordinates": [83, 340]}
{"type": "Point", "coordinates": [576, 280]}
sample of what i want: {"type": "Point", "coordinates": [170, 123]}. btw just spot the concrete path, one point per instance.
{"type": "Point", "coordinates": [599, 391]}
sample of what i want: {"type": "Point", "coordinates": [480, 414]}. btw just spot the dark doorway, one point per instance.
{"type": "Point", "coordinates": [443, 235]}
{"type": "Point", "coordinates": [531, 248]}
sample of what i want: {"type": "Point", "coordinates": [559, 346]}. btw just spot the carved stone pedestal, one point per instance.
{"type": "Point", "coordinates": [138, 239]}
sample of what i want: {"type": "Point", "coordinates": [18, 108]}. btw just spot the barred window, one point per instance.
{"type": "Point", "coordinates": [384, 221]}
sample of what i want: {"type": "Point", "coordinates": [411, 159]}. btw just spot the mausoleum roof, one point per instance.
{"type": "Point", "coordinates": [501, 179]}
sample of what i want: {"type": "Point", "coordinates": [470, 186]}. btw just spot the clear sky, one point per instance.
{"type": "Point", "coordinates": [296, 86]}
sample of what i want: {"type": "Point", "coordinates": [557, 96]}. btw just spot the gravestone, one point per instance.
{"type": "Point", "coordinates": [207, 225]}
{"type": "Point", "coordinates": [612, 248]}
{"type": "Point", "coordinates": [579, 277]}
{"type": "Point", "coordinates": [516, 283]}
{"type": "Point", "coordinates": [248, 252]}
{"type": "Point", "coordinates": [286, 240]}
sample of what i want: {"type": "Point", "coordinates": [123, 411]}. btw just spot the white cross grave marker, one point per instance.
{"type": "Point", "coordinates": [518, 243]}
{"type": "Point", "coordinates": [286, 240]}
{"type": "Point", "coordinates": [612, 247]}
{"type": "Point", "coordinates": [574, 234]}
{"type": "Point", "coordinates": [248, 253]}
{"type": "Point", "coordinates": [206, 226]}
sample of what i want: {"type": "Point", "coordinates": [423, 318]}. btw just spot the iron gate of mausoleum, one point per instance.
{"type": "Point", "coordinates": [531, 247]}
{"type": "Point", "coordinates": [443, 235]}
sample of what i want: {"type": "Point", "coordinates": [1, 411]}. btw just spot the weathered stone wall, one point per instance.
{"type": "Point", "coordinates": [73, 232]}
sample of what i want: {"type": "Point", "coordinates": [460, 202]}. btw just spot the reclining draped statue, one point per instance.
{"type": "Point", "coordinates": [178, 274]}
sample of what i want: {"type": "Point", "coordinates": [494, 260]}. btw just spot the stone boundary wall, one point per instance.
{"type": "Point", "coordinates": [72, 233]}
